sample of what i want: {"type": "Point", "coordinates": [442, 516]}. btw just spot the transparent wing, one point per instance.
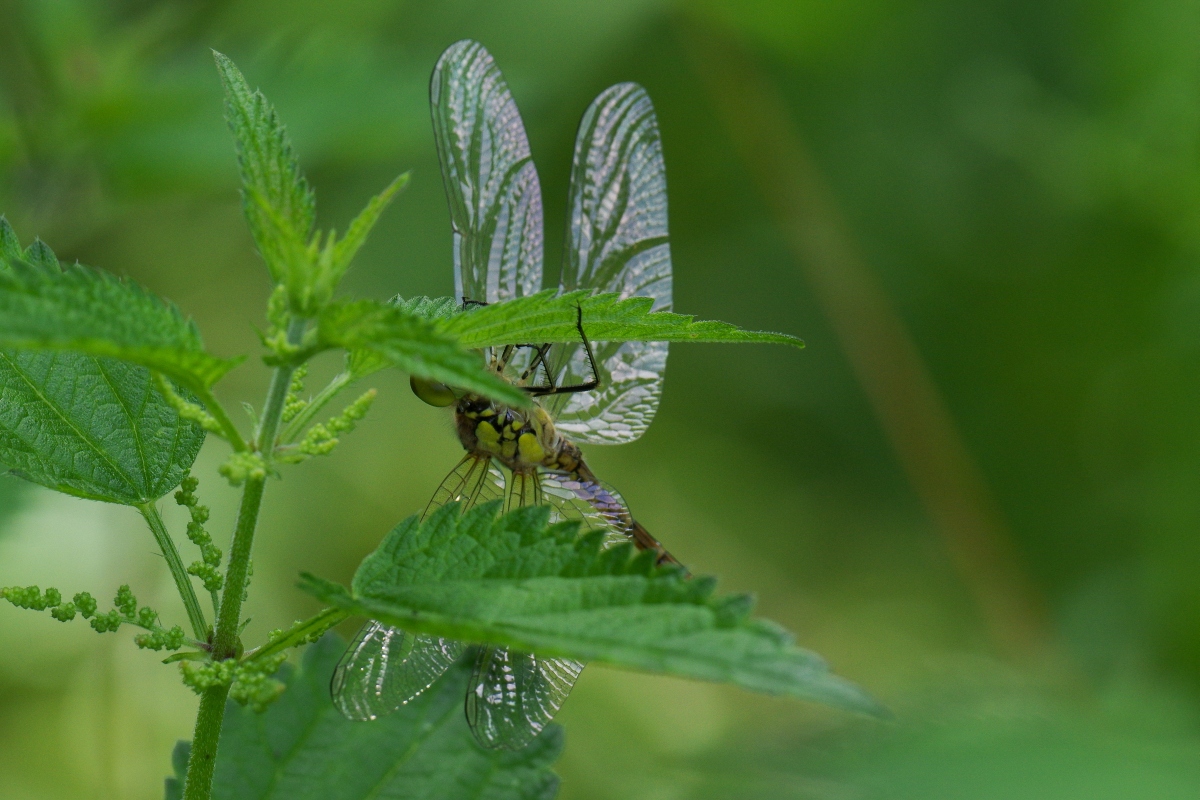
{"type": "Point", "coordinates": [514, 695]}
{"type": "Point", "coordinates": [385, 667]}
{"type": "Point", "coordinates": [491, 183]}
{"type": "Point", "coordinates": [474, 480]}
{"type": "Point", "coordinates": [573, 498]}
{"type": "Point", "coordinates": [616, 242]}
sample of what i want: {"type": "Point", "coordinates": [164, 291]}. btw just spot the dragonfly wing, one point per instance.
{"type": "Point", "coordinates": [514, 695]}
{"type": "Point", "coordinates": [474, 480]}
{"type": "Point", "coordinates": [616, 242]}
{"type": "Point", "coordinates": [385, 667]}
{"type": "Point", "coordinates": [572, 498]}
{"type": "Point", "coordinates": [491, 182]}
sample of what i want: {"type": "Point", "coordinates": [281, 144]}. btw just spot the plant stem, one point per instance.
{"type": "Point", "coordinates": [183, 581]}
{"type": "Point", "coordinates": [226, 643]}
{"type": "Point", "coordinates": [203, 760]}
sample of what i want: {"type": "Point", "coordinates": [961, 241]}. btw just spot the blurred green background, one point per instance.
{"type": "Point", "coordinates": [975, 492]}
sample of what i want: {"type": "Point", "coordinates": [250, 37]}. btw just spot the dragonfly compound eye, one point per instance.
{"type": "Point", "coordinates": [432, 392]}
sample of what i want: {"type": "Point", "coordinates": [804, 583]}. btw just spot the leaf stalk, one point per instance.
{"type": "Point", "coordinates": [183, 581]}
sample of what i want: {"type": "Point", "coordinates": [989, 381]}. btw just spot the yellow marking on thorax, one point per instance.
{"type": "Point", "coordinates": [487, 437]}
{"type": "Point", "coordinates": [531, 449]}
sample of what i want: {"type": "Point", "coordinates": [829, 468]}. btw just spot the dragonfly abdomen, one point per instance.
{"type": "Point", "coordinates": [613, 508]}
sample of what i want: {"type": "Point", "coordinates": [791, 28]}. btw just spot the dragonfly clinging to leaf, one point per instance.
{"type": "Point", "coordinates": [581, 392]}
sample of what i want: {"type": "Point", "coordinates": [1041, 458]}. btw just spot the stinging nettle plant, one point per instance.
{"type": "Point", "coordinates": [106, 393]}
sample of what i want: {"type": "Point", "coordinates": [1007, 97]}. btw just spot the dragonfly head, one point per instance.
{"type": "Point", "coordinates": [432, 392]}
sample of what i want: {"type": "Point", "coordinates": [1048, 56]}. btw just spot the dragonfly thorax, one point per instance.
{"type": "Point", "coordinates": [520, 439]}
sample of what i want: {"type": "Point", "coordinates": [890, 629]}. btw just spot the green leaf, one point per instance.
{"type": "Point", "coordinates": [513, 580]}
{"type": "Point", "coordinates": [91, 427]}
{"type": "Point", "coordinates": [367, 328]}
{"type": "Point", "coordinates": [45, 307]}
{"type": "Point", "coordinates": [75, 419]}
{"type": "Point", "coordinates": [302, 747]}
{"type": "Point", "coordinates": [549, 317]}
{"type": "Point", "coordinates": [279, 205]}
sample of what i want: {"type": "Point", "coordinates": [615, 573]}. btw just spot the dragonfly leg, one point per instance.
{"type": "Point", "coordinates": [587, 386]}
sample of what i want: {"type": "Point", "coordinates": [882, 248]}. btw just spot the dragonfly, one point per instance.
{"type": "Point", "coordinates": [581, 392]}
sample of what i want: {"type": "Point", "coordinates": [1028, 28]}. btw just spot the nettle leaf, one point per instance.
{"type": "Point", "coordinates": [551, 317]}
{"type": "Point", "coordinates": [44, 306]}
{"type": "Point", "coordinates": [91, 427]}
{"type": "Point", "coordinates": [302, 747]}
{"type": "Point", "coordinates": [515, 580]}
{"type": "Point", "coordinates": [378, 333]}
{"type": "Point", "coordinates": [279, 204]}
{"type": "Point", "coordinates": [71, 418]}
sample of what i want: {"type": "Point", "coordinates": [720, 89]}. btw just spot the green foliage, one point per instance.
{"type": "Point", "coordinates": [293, 404]}
{"type": "Point", "coordinates": [301, 633]}
{"type": "Point", "coordinates": [302, 747]}
{"type": "Point", "coordinates": [125, 611]}
{"type": "Point", "coordinates": [550, 317]}
{"type": "Point", "coordinates": [280, 206]}
{"type": "Point", "coordinates": [91, 427]}
{"type": "Point", "coordinates": [515, 580]}
{"type": "Point", "coordinates": [46, 307]}
{"type": "Point", "coordinates": [75, 420]}
{"type": "Point", "coordinates": [402, 339]}
{"type": "Point", "coordinates": [106, 393]}
{"type": "Point", "coordinates": [240, 467]}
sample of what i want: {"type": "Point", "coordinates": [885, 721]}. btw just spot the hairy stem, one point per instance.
{"type": "Point", "coordinates": [203, 760]}
{"type": "Point", "coordinates": [183, 581]}
{"type": "Point", "coordinates": [226, 642]}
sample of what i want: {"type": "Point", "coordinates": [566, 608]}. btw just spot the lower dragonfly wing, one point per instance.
{"type": "Point", "coordinates": [385, 667]}
{"type": "Point", "coordinates": [514, 695]}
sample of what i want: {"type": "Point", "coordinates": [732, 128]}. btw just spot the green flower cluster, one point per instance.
{"type": "Point", "coordinates": [323, 437]}
{"type": "Point", "coordinates": [125, 611]}
{"type": "Point", "coordinates": [250, 683]}
{"type": "Point", "coordinates": [294, 403]}
{"type": "Point", "coordinates": [241, 466]}
{"type": "Point", "coordinates": [208, 570]}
